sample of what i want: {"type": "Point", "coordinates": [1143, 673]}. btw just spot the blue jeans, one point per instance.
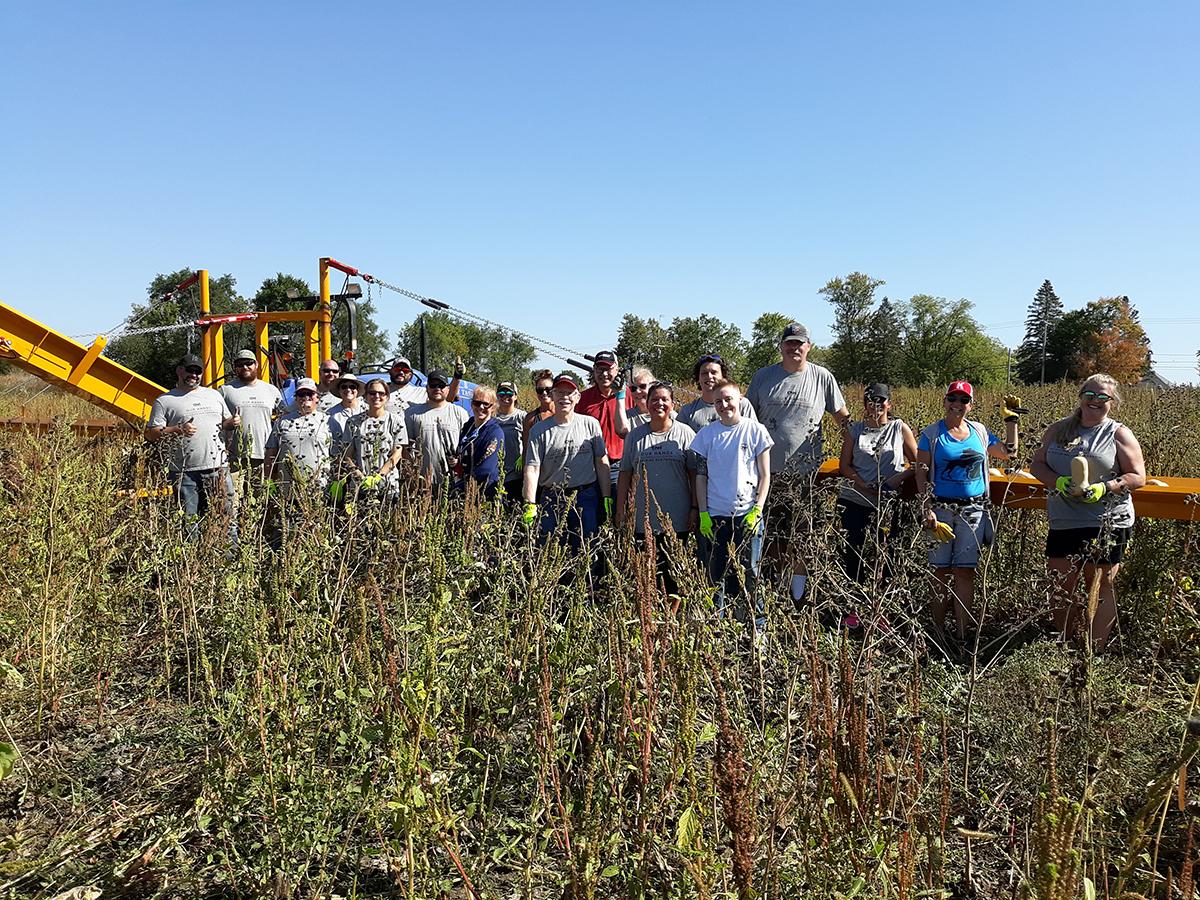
{"type": "Point", "coordinates": [731, 542]}
{"type": "Point", "coordinates": [577, 510]}
{"type": "Point", "coordinates": [198, 492]}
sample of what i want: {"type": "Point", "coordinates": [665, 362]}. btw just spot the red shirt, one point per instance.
{"type": "Point", "coordinates": [604, 411]}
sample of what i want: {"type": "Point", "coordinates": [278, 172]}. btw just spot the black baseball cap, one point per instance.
{"type": "Point", "coordinates": [608, 357]}
{"type": "Point", "coordinates": [190, 359]}
{"type": "Point", "coordinates": [878, 389]}
{"type": "Point", "coordinates": [437, 376]}
{"type": "Point", "coordinates": [795, 332]}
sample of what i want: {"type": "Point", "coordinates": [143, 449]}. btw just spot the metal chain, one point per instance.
{"type": "Point", "coordinates": [540, 343]}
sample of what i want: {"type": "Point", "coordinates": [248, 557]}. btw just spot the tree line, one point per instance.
{"type": "Point", "coordinates": [919, 341]}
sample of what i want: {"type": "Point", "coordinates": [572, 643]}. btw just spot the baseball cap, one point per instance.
{"type": "Point", "coordinates": [245, 354]}
{"type": "Point", "coordinates": [961, 387]}
{"type": "Point", "coordinates": [795, 332]}
{"type": "Point", "coordinates": [306, 384]}
{"type": "Point", "coordinates": [400, 361]}
{"type": "Point", "coordinates": [437, 376]}
{"type": "Point", "coordinates": [506, 386]}
{"type": "Point", "coordinates": [189, 359]}
{"type": "Point", "coordinates": [567, 377]}
{"type": "Point", "coordinates": [878, 389]}
{"type": "Point", "coordinates": [608, 357]}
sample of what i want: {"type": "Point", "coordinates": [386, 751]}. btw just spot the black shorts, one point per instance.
{"type": "Point", "coordinates": [1093, 544]}
{"type": "Point", "coordinates": [790, 506]}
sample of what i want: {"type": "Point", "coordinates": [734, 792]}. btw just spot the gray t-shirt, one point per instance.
{"type": "Point", "coordinates": [302, 445]}
{"type": "Point", "coordinates": [401, 398]}
{"type": "Point", "coordinates": [511, 426]}
{"type": "Point", "coordinates": [338, 417]}
{"type": "Point", "coordinates": [728, 457]}
{"type": "Point", "coordinates": [1098, 445]}
{"type": "Point", "coordinates": [791, 407]}
{"type": "Point", "coordinates": [878, 454]}
{"type": "Point", "coordinates": [662, 467]}
{"type": "Point", "coordinates": [434, 432]}
{"type": "Point", "coordinates": [206, 409]}
{"type": "Point", "coordinates": [371, 443]}
{"type": "Point", "coordinates": [257, 403]}
{"type": "Point", "coordinates": [699, 413]}
{"type": "Point", "coordinates": [565, 454]}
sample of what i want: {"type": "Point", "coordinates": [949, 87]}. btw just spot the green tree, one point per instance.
{"type": "Point", "coordinates": [763, 349]}
{"type": "Point", "coordinates": [853, 301]}
{"type": "Point", "coordinates": [490, 355]}
{"type": "Point", "coordinates": [642, 341]}
{"type": "Point", "coordinates": [943, 342]}
{"type": "Point", "coordinates": [690, 337]}
{"type": "Point", "coordinates": [154, 355]}
{"type": "Point", "coordinates": [883, 359]}
{"type": "Point", "coordinates": [1034, 361]}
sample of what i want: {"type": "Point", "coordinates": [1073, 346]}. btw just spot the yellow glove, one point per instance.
{"type": "Point", "coordinates": [529, 514]}
{"type": "Point", "coordinates": [1013, 408]}
{"type": "Point", "coordinates": [1065, 485]}
{"type": "Point", "coordinates": [753, 517]}
{"type": "Point", "coordinates": [943, 532]}
{"type": "Point", "coordinates": [372, 481]}
{"type": "Point", "coordinates": [706, 525]}
{"type": "Point", "coordinates": [608, 508]}
{"type": "Point", "coordinates": [1093, 492]}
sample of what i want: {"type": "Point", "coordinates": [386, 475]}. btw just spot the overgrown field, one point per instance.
{"type": "Point", "coordinates": [423, 705]}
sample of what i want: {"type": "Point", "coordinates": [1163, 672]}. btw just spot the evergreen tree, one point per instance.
{"type": "Point", "coordinates": [852, 298]}
{"type": "Point", "coordinates": [1034, 360]}
{"type": "Point", "coordinates": [883, 358]}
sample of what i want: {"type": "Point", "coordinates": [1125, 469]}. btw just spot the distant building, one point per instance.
{"type": "Point", "coordinates": [1154, 381]}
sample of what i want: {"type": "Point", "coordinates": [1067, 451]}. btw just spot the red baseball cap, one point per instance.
{"type": "Point", "coordinates": [961, 387]}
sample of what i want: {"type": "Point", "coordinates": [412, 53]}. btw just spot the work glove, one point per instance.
{"type": "Point", "coordinates": [753, 517]}
{"type": "Point", "coordinates": [371, 482]}
{"type": "Point", "coordinates": [1013, 410]}
{"type": "Point", "coordinates": [272, 487]}
{"type": "Point", "coordinates": [521, 461]}
{"type": "Point", "coordinates": [529, 514]}
{"type": "Point", "coordinates": [618, 384]}
{"type": "Point", "coordinates": [1093, 492]}
{"type": "Point", "coordinates": [1065, 485]}
{"type": "Point", "coordinates": [706, 525]}
{"type": "Point", "coordinates": [460, 370]}
{"type": "Point", "coordinates": [943, 532]}
{"type": "Point", "coordinates": [337, 490]}
{"type": "Point", "coordinates": [608, 509]}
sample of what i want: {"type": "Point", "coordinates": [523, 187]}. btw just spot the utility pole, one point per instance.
{"type": "Point", "coordinates": [1045, 338]}
{"type": "Point", "coordinates": [1008, 369]}
{"type": "Point", "coordinates": [424, 348]}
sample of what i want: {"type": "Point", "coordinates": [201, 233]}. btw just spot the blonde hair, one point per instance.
{"type": "Point", "coordinates": [483, 392]}
{"type": "Point", "coordinates": [642, 370]}
{"type": "Point", "coordinates": [1068, 428]}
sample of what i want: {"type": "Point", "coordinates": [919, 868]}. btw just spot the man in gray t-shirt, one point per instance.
{"type": "Point", "coordinates": [254, 404]}
{"type": "Point", "coordinates": [434, 428]}
{"type": "Point", "coordinates": [791, 398]}
{"type": "Point", "coordinates": [191, 417]}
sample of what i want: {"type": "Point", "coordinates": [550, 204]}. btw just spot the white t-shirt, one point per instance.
{"type": "Point", "coordinates": [728, 455]}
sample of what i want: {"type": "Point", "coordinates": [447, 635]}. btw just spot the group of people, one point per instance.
{"type": "Point", "coordinates": [732, 471]}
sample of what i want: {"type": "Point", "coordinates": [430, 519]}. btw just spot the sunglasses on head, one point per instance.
{"type": "Point", "coordinates": [1095, 395]}
{"type": "Point", "coordinates": [711, 357]}
{"type": "Point", "coordinates": [958, 398]}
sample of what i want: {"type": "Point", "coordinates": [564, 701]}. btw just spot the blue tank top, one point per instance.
{"type": "Point", "coordinates": [959, 466]}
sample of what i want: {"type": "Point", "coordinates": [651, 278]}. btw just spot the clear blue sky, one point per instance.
{"type": "Point", "coordinates": [558, 165]}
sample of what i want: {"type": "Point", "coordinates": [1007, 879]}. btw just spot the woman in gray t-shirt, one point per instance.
{"type": "Point", "coordinates": [1089, 524]}
{"type": "Point", "coordinates": [877, 455]}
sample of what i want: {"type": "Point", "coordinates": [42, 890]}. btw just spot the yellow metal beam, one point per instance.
{"type": "Point", "coordinates": [70, 365]}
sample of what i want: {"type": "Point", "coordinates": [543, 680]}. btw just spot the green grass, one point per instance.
{"type": "Point", "coordinates": [406, 706]}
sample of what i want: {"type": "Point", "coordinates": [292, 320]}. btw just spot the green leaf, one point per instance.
{"type": "Point", "coordinates": [687, 830]}
{"type": "Point", "coordinates": [610, 871]}
{"type": "Point", "coordinates": [707, 733]}
{"type": "Point", "coordinates": [856, 887]}
{"type": "Point", "coordinates": [8, 759]}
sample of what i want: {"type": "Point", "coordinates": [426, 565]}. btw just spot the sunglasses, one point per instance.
{"type": "Point", "coordinates": [243, 362]}
{"type": "Point", "coordinates": [957, 398]}
{"type": "Point", "coordinates": [348, 387]}
{"type": "Point", "coordinates": [305, 395]}
{"type": "Point", "coordinates": [639, 387]}
{"type": "Point", "coordinates": [376, 393]}
{"type": "Point", "coordinates": [331, 371]}
{"type": "Point", "coordinates": [505, 394]}
{"type": "Point", "coordinates": [194, 370]}
{"type": "Point", "coordinates": [482, 404]}
{"type": "Point", "coordinates": [1093, 395]}
{"type": "Point", "coordinates": [544, 391]}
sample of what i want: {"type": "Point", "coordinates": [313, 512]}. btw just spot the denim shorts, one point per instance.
{"type": "Point", "coordinates": [972, 532]}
